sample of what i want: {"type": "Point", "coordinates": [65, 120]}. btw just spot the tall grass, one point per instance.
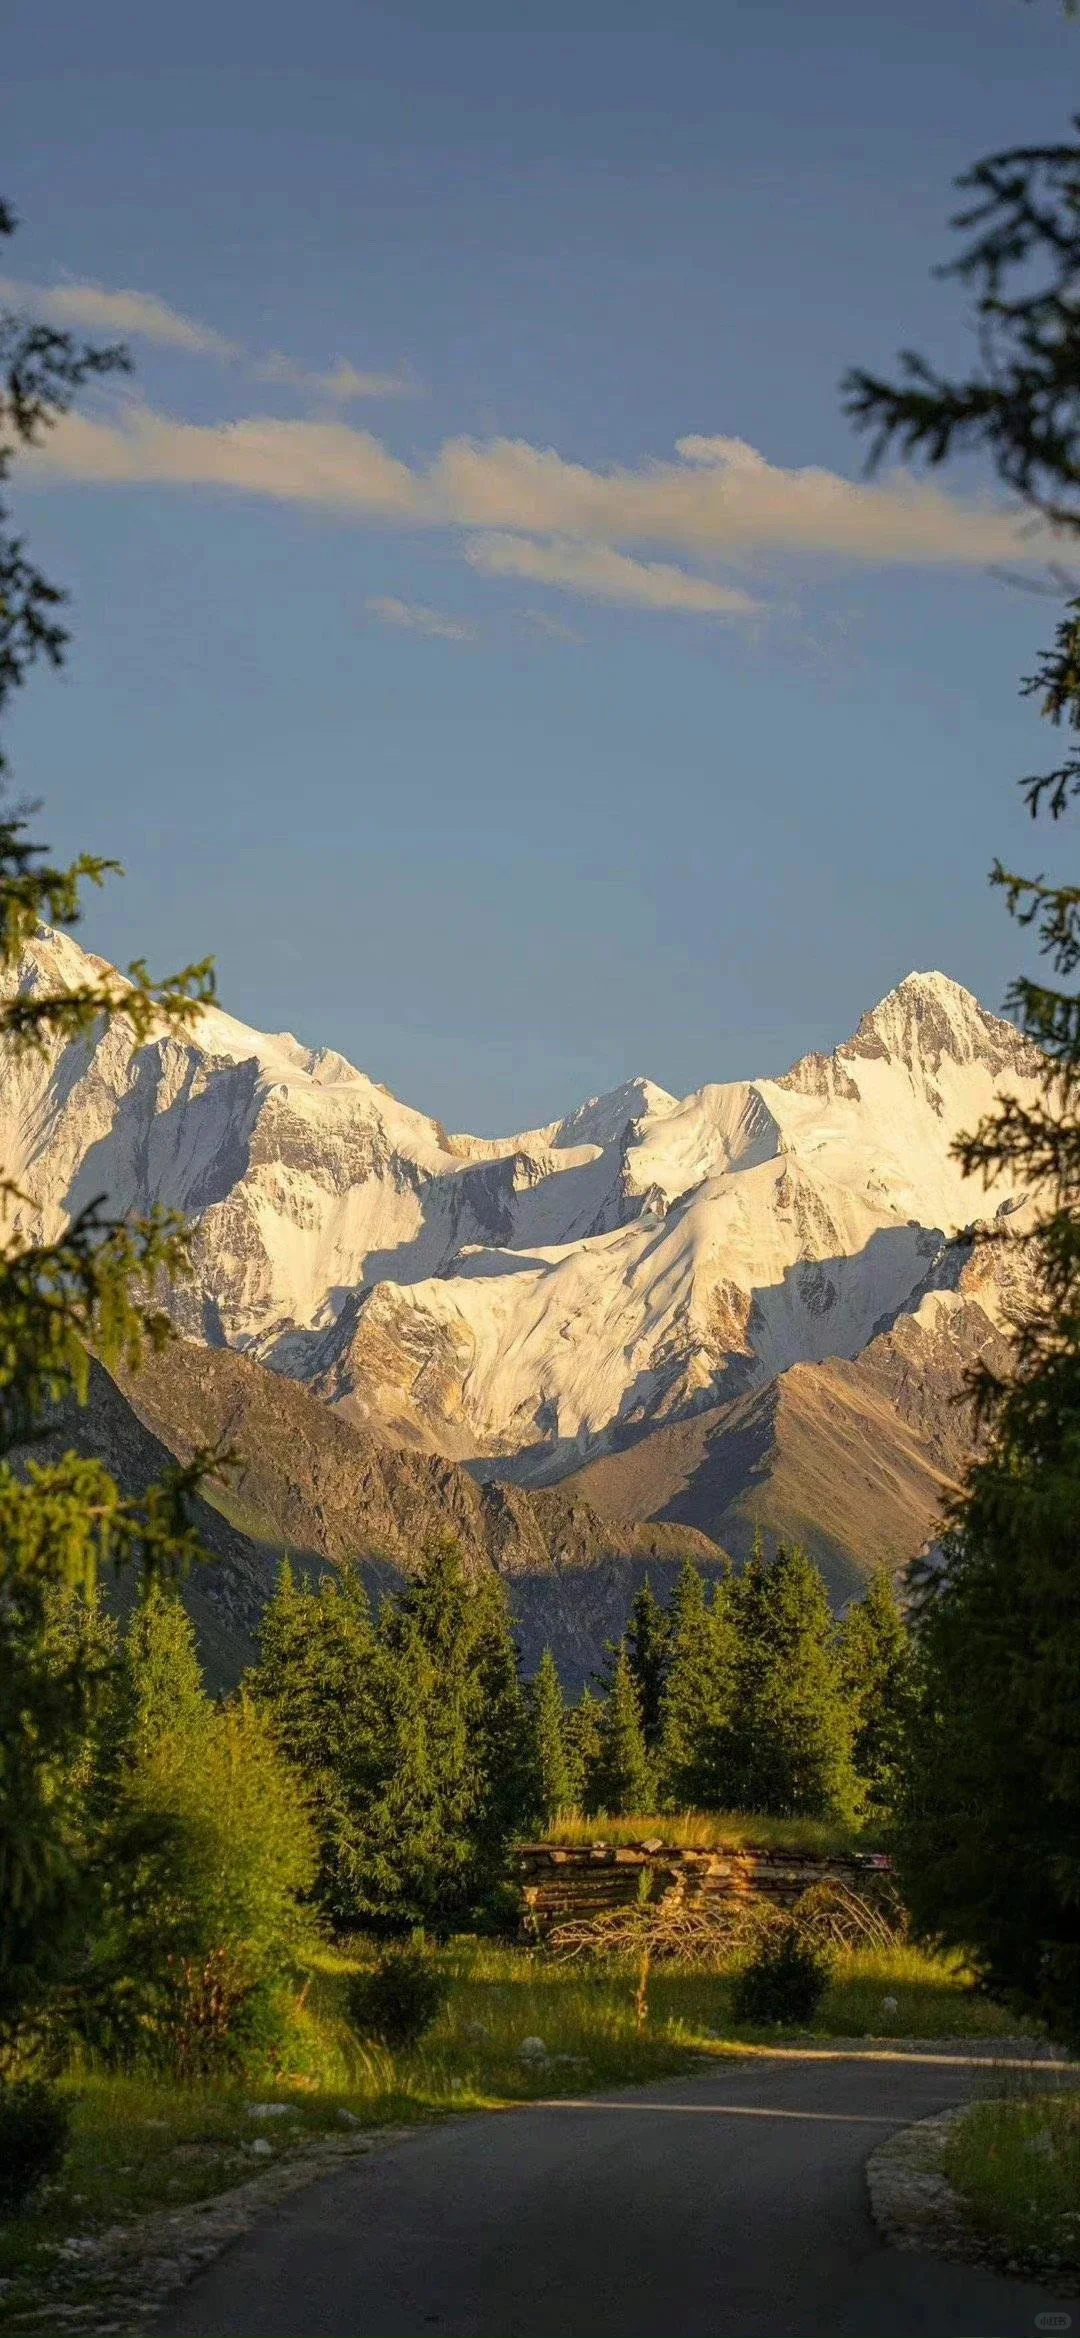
{"type": "Point", "coordinates": [1016, 2164]}
{"type": "Point", "coordinates": [719, 1830]}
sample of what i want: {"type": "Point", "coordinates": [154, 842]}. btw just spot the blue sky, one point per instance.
{"type": "Point", "coordinates": [444, 660]}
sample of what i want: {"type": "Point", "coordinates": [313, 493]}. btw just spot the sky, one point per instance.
{"type": "Point", "coordinates": [486, 641]}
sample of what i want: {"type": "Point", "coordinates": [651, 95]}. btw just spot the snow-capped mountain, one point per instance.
{"type": "Point", "coordinates": [527, 1302]}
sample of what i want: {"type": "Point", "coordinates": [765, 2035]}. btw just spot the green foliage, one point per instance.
{"type": "Point", "coordinates": [553, 1780]}
{"type": "Point", "coordinates": [35, 2124]}
{"type": "Point", "coordinates": [411, 1736]}
{"type": "Point", "coordinates": [991, 1838]}
{"type": "Point", "coordinates": [399, 2001]}
{"type": "Point", "coordinates": [696, 1700]}
{"type": "Point", "coordinates": [619, 1780]}
{"type": "Point", "coordinates": [790, 1738]}
{"type": "Point", "coordinates": [784, 1980]}
{"type": "Point", "coordinates": [203, 1856]}
{"type": "Point", "coordinates": [582, 1744]}
{"type": "Point", "coordinates": [876, 1670]}
{"type": "Point", "coordinates": [648, 1637]}
{"type": "Point", "coordinates": [98, 1284]}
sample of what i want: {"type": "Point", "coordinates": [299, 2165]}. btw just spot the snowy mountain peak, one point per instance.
{"type": "Point", "coordinates": [535, 1298]}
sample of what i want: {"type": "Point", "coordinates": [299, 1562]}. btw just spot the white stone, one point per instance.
{"type": "Point", "coordinates": [532, 2050]}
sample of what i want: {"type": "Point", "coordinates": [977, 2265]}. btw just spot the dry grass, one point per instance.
{"type": "Point", "coordinates": [716, 1831]}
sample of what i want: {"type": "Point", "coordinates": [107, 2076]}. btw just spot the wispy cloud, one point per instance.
{"type": "Point", "coordinates": [603, 574]}
{"type": "Point", "coordinates": [526, 512]}
{"type": "Point", "coordinates": [342, 384]}
{"type": "Point", "coordinates": [142, 316]}
{"type": "Point", "coordinates": [134, 315]}
{"type": "Point", "coordinates": [412, 617]}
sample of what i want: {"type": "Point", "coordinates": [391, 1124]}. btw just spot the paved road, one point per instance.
{"type": "Point", "coordinates": [727, 2206]}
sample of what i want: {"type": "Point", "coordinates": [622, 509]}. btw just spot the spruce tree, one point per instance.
{"type": "Point", "coordinates": [876, 1673]}
{"type": "Point", "coordinates": [620, 1782]}
{"type": "Point", "coordinates": [694, 1758]}
{"type": "Point", "coordinates": [553, 1783]}
{"type": "Point", "coordinates": [648, 1636]}
{"type": "Point", "coordinates": [324, 1683]}
{"type": "Point", "coordinates": [990, 1848]}
{"type": "Point", "coordinates": [97, 1283]}
{"type": "Point", "coordinates": [790, 1746]}
{"type": "Point", "coordinates": [162, 1682]}
{"type": "Point", "coordinates": [583, 1748]}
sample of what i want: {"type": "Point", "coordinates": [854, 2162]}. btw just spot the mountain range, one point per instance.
{"type": "Point", "coordinates": [656, 1324]}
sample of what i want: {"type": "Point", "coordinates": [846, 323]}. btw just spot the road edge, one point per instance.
{"type": "Point", "coordinates": [915, 2207]}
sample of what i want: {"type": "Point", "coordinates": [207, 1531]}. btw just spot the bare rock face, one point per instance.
{"type": "Point", "coordinates": [538, 1304]}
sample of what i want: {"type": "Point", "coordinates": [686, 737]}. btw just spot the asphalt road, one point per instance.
{"type": "Point", "coordinates": [727, 2206]}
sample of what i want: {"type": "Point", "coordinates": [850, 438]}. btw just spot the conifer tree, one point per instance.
{"type": "Point", "coordinates": [876, 1673]}
{"type": "Point", "coordinates": [162, 1682]}
{"type": "Point", "coordinates": [97, 1283]}
{"type": "Point", "coordinates": [620, 1782]}
{"type": "Point", "coordinates": [583, 1748]}
{"type": "Point", "coordinates": [324, 1683]}
{"type": "Point", "coordinates": [694, 1756]}
{"type": "Point", "coordinates": [792, 1727]}
{"type": "Point", "coordinates": [553, 1788]}
{"type": "Point", "coordinates": [990, 1846]}
{"type": "Point", "coordinates": [648, 1635]}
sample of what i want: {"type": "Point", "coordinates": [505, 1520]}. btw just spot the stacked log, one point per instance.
{"type": "Point", "coordinates": [564, 1881]}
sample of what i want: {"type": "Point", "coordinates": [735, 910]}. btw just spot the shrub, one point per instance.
{"type": "Point", "coordinates": [785, 1979]}
{"type": "Point", "coordinates": [34, 2128]}
{"type": "Point", "coordinates": [399, 2000]}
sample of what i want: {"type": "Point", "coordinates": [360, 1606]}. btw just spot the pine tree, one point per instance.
{"type": "Point", "coordinates": [694, 1757]}
{"type": "Point", "coordinates": [621, 1783]}
{"type": "Point", "coordinates": [792, 1727]}
{"type": "Point", "coordinates": [990, 1844]}
{"type": "Point", "coordinates": [96, 1283]}
{"type": "Point", "coordinates": [876, 1672]}
{"type": "Point", "coordinates": [583, 1748]}
{"type": "Point", "coordinates": [648, 1635]}
{"type": "Point", "coordinates": [324, 1683]}
{"type": "Point", "coordinates": [553, 1789]}
{"type": "Point", "coordinates": [163, 1692]}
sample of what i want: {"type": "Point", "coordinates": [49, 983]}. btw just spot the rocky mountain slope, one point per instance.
{"type": "Point", "coordinates": [680, 1304]}
{"type": "Point", "coordinates": [309, 1484]}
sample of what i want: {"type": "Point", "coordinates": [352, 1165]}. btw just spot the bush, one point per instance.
{"type": "Point", "coordinates": [785, 1978]}
{"type": "Point", "coordinates": [398, 2002]}
{"type": "Point", "coordinates": [34, 2128]}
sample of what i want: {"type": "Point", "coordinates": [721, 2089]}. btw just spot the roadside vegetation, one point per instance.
{"type": "Point", "coordinates": [1015, 2161]}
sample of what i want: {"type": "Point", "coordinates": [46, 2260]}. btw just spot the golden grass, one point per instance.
{"type": "Point", "coordinates": [717, 1830]}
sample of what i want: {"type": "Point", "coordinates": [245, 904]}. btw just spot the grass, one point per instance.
{"type": "Point", "coordinates": [1016, 2164]}
{"type": "Point", "coordinates": [140, 2145]}
{"type": "Point", "coordinates": [718, 1830]}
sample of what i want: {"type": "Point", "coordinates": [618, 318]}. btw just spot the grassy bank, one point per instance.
{"type": "Point", "coordinates": [1016, 2165]}
{"type": "Point", "coordinates": [138, 2145]}
{"type": "Point", "coordinates": [719, 1830]}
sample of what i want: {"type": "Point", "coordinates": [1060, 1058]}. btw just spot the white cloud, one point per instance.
{"type": "Point", "coordinates": [606, 575]}
{"type": "Point", "coordinates": [142, 316]}
{"type": "Point", "coordinates": [342, 384]}
{"type": "Point", "coordinates": [528, 513]}
{"type": "Point", "coordinates": [326, 463]}
{"type": "Point", "coordinates": [138, 315]}
{"type": "Point", "coordinates": [720, 497]}
{"type": "Point", "coordinates": [412, 617]}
